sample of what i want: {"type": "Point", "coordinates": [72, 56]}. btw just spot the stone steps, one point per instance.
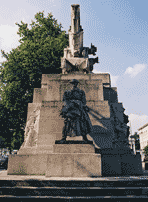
{"type": "Point", "coordinates": [73, 182]}
{"type": "Point", "coordinates": [74, 191]}
{"type": "Point", "coordinates": [125, 189]}
{"type": "Point", "coordinates": [71, 199]}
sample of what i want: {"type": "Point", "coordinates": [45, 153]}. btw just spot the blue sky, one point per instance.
{"type": "Point", "coordinates": [119, 30]}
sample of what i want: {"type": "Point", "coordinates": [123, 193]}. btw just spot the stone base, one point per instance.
{"type": "Point", "coordinates": [73, 142]}
{"type": "Point", "coordinates": [120, 163]}
{"type": "Point", "coordinates": [27, 164]}
{"type": "Point", "coordinates": [73, 165]}
{"type": "Point", "coordinates": [45, 149]}
{"type": "Point", "coordinates": [73, 148]}
{"type": "Point", "coordinates": [66, 160]}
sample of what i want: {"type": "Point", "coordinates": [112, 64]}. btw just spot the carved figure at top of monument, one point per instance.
{"type": "Point", "coordinates": [75, 112]}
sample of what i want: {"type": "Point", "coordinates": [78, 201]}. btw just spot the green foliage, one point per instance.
{"type": "Point", "coordinates": [2, 141]}
{"type": "Point", "coordinates": [146, 150]}
{"type": "Point", "coordinates": [135, 136]}
{"type": "Point", "coordinates": [6, 128]}
{"type": "Point", "coordinates": [17, 139]}
{"type": "Point", "coordinates": [137, 142]}
{"type": "Point", "coordinates": [39, 52]}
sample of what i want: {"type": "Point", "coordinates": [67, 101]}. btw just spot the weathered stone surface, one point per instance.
{"type": "Point", "coordinates": [120, 161]}
{"type": "Point", "coordinates": [27, 150]}
{"type": "Point", "coordinates": [78, 76]}
{"type": "Point", "coordinates": [76, 56]}
{"type": "Point", "coordinates": [87, 165]}
{"type": "Point", "coordinates": [54, 89]}
{"type": "Point", "coordinates": [74, 165]}
{"type": "Point", "coordinates": [27, 164]}
{"type": "Point", "coordinates": [76, 160]}
{"type": "Point", "coordinates": [110, 94]}
{"type": "Point", "coordinates": [73, 148]}
{"type": "Point", "coordinates": [39, 95]}
{"type": "Point", "coordinates": [105, 77]}
{"type": "Point", "coordinates": [40, 149]}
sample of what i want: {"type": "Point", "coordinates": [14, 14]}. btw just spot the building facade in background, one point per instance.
{"type": "Point", "coordinates": [143, 135]}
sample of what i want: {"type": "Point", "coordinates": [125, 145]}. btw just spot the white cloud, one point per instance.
{"type": "Point", "coordinates": [2, 59]}
{"type": "Point", "coordinates": [136, 69]}
{"type": "Point", "coordinates": [113, 78]}
{"type": "Point", "coordinates": [137, 121]}
{"type": "Point", "coordinates": [9, 37]}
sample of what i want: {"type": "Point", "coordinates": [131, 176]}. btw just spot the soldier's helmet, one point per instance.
{"type": "Point", "coordinates": [74, 81]}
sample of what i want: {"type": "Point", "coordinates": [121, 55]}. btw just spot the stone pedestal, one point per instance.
{"type": "Point", "coordinates": [66, 160]}
{"type": "Point", "coordinates": [73, 160]}
{"type": "Point", "coordinates": [33, 164]}
{"type": "Point", "coordinates": [120, 161]}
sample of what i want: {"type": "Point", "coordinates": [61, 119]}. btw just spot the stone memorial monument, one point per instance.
{"type": "Point", "coordinates": [75, 126]}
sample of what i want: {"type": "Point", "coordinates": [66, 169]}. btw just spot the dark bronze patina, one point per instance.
{"type": "Point", "coordinates": [75, 113]}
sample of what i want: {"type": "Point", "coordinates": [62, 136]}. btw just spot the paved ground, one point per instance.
{"type": "Point", "coordinates": [4, 176]}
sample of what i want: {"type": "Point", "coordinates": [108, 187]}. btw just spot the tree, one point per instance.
{"type": "Point", "coordinates": [39, 52]}
{"type": "Point", "coordinates": [5, 128]}
{"type": "Point", "coordinates": [137, 141]}
{"type": "Point", "coordinates": [146, 150]}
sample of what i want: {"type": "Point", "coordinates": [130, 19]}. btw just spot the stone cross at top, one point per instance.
{"type": "Point", "coordinates": [76, 56]}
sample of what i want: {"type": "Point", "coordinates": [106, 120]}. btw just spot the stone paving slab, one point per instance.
{"type": "Point", "coordinates": [4, 176]}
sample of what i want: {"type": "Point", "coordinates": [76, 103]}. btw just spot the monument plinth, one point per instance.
{"type": "Point", "coordinates": [107, 152]}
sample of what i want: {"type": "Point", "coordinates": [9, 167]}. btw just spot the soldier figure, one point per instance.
{"type": "Point", "coordinates": [75, 113]}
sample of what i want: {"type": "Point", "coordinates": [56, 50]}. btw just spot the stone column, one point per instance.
{"type": "Point", "coordinates": [75, 18]}
{"type": "Point", "coordinates": [76, 32]}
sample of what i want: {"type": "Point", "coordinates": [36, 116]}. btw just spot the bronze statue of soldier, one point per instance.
{"type": "Point", "coordinates": [75, 113]}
